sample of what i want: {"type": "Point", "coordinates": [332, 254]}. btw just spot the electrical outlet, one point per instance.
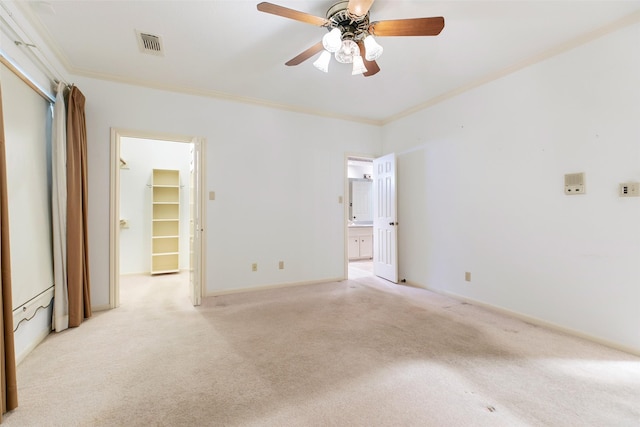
{"type": "Point", "coordinates": [281, 265]}
{"type": "Point", "coordinates": [467, 276]}
{"type": "Point", "coordinates": [630, 189]}
{"type": "Point", "coordinates": [254, 266]}
{"type": "Point", "coordinates": [574, 184]}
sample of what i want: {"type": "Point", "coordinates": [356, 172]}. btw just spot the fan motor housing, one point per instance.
{"type": "Point", "coordinates": [352, 27]}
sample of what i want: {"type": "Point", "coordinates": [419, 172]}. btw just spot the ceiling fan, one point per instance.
{"type": "Point", "coordinates": [350, 36]}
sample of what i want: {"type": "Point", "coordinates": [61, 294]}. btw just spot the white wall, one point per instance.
{"type": "Point", "coordinates": [277, 177]}
{"type": "Point", "coordinates": [142, 156]}
{"type": "Point", "coordinates": [481, 190]}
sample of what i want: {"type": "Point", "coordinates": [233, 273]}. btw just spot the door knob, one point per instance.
{"type": "Point", "coordinates": [392, 223]}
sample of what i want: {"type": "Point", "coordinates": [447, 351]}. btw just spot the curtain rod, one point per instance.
{"type": "Point", "coordinates": [15, 69]}
{"type": "Point", "coordinates": [17, 33]}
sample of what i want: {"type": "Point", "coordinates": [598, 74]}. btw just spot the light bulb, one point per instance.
{"type": "Point", "coordinates": [358, 65]}
{"type": "Point", "coordinates": [332, 40]}
{"type": "Point", "coordinates": [372, 48]}
{"type": "Point", "coordinates": [322, 63]}
{"type": "Point", "coordinates": [348, 50]}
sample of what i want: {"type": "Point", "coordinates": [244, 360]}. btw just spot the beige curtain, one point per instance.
{"type": "Point", "coordinates": [59, 211]}
{"type": "Point", "coordinates": [77, 237]}
{"type": "Point", "coordinates": [7, 353]}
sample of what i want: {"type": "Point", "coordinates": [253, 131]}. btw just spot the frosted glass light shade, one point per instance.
{"type": "Point", "coordinates": [322, 63]}
{"type": "Point", "coordinates": [372, 49]}
{"type": "Point", "coordinates": [348, 50]}
{"type": "Point", "coordinates": [358, 66]}
{"type": "Point", "coordinates": [332, 40]}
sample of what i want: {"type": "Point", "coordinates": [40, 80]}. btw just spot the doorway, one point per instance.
{"type": "Point", "coordinates": [371, 215]}
{"type": "Point", "coordinates": [359, 213]}
{"type": "Point", "coordinates": [139, 241]}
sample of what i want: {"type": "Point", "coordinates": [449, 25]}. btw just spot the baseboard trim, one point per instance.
{"type": "Point", "coordinates": [274, 286]}
{"type": "Point", "coordinates": [102, 307]}
{"type": "Point", "coordinates": [43, 334]}
{"type": "Point", "coordinates": [534, 320]}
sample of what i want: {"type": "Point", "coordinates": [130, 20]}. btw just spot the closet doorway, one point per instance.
{"type": "Point", "coordinates": [156, 213]}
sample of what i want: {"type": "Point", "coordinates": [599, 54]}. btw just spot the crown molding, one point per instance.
{"type": "Point", "coordinates": [43, 34]}
{"type": "Point", "coordinates": [221, 95]}
{"type": "Point", "coordinates": [580, 40]}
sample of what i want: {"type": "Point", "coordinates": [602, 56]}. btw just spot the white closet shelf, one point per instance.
{"type": "Point", "coordinates": [165, 221]}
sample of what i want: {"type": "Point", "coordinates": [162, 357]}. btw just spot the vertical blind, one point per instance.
{"type": "Point", "coordinates": [27, 120]}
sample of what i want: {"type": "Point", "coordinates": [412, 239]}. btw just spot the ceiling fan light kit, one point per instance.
{"type": "Point", "coordinates": [373, 49]}
{"type": "Point", "coordinates": [322, 63]}
{"type": "Point", "coordinates": [358, 66]}
{"type": "Point", "coordinates": [351, 34]}
{"type": "Point", "coordinates": [332, 41]}
{"type": "Point", "coordinates": [347, 52]}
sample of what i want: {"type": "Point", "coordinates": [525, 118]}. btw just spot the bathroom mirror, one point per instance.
{"type": "Point", "coordinates": [360, 200]}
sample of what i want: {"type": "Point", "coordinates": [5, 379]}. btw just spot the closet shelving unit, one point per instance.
{"type": "Point", "coordinates": [165, 222]}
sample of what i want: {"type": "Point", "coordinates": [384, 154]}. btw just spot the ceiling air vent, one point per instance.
{"type": "Point", "coordinates": [150, 43]}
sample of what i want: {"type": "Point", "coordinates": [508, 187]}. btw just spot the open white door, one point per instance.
{"type": "Point", "coordinates": [385, 234]}
{"type": "Point", "coordinates": [195, 224]}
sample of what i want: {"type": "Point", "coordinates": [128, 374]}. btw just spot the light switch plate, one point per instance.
{"type": "Point", "coordinates": [629, 189]}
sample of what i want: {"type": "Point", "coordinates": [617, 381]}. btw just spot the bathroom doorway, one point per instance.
{"type": "Point", "coordinates": [359, 214]}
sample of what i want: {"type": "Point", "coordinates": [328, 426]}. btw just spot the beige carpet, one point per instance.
{"type": "Point", "coordinates": [356, 353]}
{"type": "Point", "coordinates": [360, 269]}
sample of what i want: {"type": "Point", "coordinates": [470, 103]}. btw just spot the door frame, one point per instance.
{"type": "Point", "coordinates": [345, 199]}
{"type": "Point", "coordinates": [114, 206]}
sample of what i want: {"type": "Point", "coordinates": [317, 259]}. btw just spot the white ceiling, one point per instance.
{"type": "Point", "coordinates": [228, 48]}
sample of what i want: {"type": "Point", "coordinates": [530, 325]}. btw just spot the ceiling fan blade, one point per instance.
{"type": "Point", "coordinates": [408, 27]}
{"type": "Point", "coordinates": [371, 66]}
{"type": "Point", "coordinates": [274, 9]}
{"type": "Point", "coordinates": [359, 7]}
{"type": "Point", "coordinates": [305, 55]}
